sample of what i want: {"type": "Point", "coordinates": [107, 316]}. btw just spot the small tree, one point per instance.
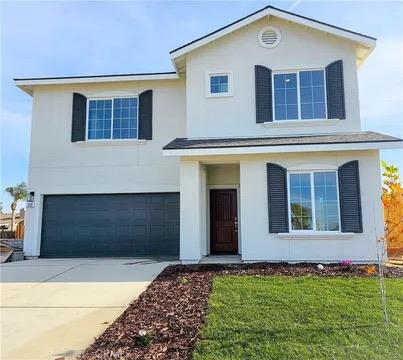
{"type": "Point", "coordinates": [392, 199]}
{"type": "Point", "coordinates": [18, 193]}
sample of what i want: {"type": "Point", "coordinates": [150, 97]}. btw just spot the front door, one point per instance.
{"type": "Point", "coordinates": [223, 222]}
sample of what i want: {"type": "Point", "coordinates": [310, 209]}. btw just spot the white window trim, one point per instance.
{"type": "Point", "coordinates": [218, 73]}
{"type": "Point", "coordinates": [304, 122]}
{"type": "Point", "coordinates": [112, 117]}
{"type": "Point", "coordinates": [297, 71]}
{"type": "Point", "coordinates": [313, 230]}
{"type": "Point", "coordinates": [112, 142]}
{"type": "Point", "coordinates": [316, 235]}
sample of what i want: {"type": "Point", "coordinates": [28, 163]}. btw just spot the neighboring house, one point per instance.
{"type": "Point", "coordinates": [252, 146]}
{"type": "Point", "coordinates": [5, 218]}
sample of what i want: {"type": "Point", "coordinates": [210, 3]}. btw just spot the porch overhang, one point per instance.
{"type": "Point", "coordinates": [366, 140]}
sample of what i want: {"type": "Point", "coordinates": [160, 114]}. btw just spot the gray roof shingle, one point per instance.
{"type": "Point", "coordinates": [336, 138]}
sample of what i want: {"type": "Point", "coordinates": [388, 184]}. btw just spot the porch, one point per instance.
{"type": "Point", "coordinates": [210, 212]}
{"type": "Point", "coordinates": [244, 179]}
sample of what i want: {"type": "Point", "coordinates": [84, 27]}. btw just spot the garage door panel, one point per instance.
{"type": "Point", "coordinates": [172, 214]}
{"type": "Point", "coordinates": [139, 214]}
{"type": "Point", "coordinates": [140, 231]}
{"type": "Point", "coordinates": [172, 229]}
{"type": "Point", "coordinates": [164, 248]}
{"type": "Point", "coordinates": [157, 231]}
{"type": "Point", "coordinates": [157, 200]}
{"type": "Point", "coordinates": [110, 225]}
{"type": "Point", "coordinates": [157, 214]}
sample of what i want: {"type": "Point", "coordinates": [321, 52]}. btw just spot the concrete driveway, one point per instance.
{"type": "Point", "coordinates": [55, 308]}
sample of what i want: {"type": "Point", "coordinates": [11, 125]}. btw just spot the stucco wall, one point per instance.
{"type": "Point", "coordinates": [59, 166]}
{"type": "Point", "coordinates": [239, 52]}
{"type": "Point", "coordinates": [223, 174]}
{"type": "Point", "coordinates": [192, 211]}
{"type": "Point", "coordinates": [257, 244]}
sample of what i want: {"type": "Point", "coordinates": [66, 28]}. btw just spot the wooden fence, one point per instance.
{"type": "Point", "coordinates": [19, 231]}
{"type": "Point", "coordinates": [17, 234]}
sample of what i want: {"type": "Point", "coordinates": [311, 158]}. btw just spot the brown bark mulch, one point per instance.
{"type": "Point", "coordinates": [174, 306]}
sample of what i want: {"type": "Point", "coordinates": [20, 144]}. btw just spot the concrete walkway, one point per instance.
{"type": "Point", "coordinates": [55, 308]}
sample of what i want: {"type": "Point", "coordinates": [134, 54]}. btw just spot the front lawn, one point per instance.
{"type": "Point", "coordinates": [278, 317]}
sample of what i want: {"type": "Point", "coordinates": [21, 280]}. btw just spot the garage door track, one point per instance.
{"type": "Point", "coordinates": [55, 308]}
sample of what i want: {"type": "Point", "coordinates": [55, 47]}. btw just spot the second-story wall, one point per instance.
{"type": "Point", "coordinates": [300, 48]}
{"type": "Point", "coordinates": [60, 166]}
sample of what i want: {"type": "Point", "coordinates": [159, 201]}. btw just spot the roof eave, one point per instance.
{"type": "Point", "coordinates": [28, 83]}
{"type": "Point", "coordinates": [26, 88]}
{"type": "Point", "coordinates": [250, 150]}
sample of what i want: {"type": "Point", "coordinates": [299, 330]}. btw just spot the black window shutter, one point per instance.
{"type": "Point", "coordinates": [146, 115]}
{"type": "Point", "coordinates": [277, 197]}
{"type": "Point", "coordinates": [264, 94]}
{"type": "Point", "coordinates": [79, 117]}
{"type": "Point", "coordinates": [336, 108]}
{"type": "Point", "coordinates": [350, 198]}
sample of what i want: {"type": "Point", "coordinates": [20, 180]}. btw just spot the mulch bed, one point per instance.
{"type": "Point", "coordinates": [174, 306]}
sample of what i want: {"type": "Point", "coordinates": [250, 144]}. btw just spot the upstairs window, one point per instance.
{"type": "Point", "coordinates": [312, 94]}
{"type": "Point", "coordinates": [286, 96]}
{"type": "Point", "coordinates": [113, 118]}
{"type": "Point", "coordinates": [300, 95]}
{"type": "Point", "coordinates": [219, 84]}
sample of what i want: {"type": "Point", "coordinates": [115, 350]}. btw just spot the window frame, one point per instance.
{"type": "Point", "coordinates": [112, 117]}
{"type": "Point", "coordinates": [297, 71]}
{"type": "Point", "coordinates": [209, 74]}
{"type": "Point", "coordinates": [311, 175]}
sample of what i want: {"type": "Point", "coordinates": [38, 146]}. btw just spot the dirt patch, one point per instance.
{"type": "Point", "coordinates": [173, 308]}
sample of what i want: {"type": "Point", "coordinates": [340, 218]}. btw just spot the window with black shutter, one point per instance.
{"type": "Point", "coordinates": [350, 197]}
{"type": "Point", "coordinates": [146, 115]}
{"type": "Point", "coordinates": [277, 198]}
{"type": "Point", "coordinates": [263, 94]}
{"type": "Point", "coordinates": [335, 91]}
{"type": "Point", "coordinates": [79, 117]}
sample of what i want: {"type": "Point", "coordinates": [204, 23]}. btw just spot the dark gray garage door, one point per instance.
{"type": "Point", "coordinates": [110, 225]}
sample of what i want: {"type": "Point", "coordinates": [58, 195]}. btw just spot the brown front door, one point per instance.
{"type": "Point", "coordinates": [223, 222]}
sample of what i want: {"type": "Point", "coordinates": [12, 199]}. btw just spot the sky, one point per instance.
{"type": "Point", "coordinates": [57, 38]}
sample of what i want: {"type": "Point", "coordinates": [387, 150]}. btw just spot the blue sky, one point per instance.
{"type": "Point", "coordinates": [79, 38]}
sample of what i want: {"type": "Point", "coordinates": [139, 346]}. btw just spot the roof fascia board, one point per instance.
{"type": "Point", "coordinates": [93, 79]}
{"type": "Point", "coordinates": [214, 36]}
{"type": "Point", "coordinates": [284, 148]}
{"type": "Point", "coordinates": [362, 39]}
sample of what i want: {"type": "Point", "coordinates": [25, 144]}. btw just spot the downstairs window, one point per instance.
{"type": "Point", "coordinates": [313, 201]}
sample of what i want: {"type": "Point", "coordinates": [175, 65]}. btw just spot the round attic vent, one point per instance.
{"type": "Point", "coordinates": [269, 37]}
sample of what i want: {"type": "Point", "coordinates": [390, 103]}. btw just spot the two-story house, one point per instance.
{"type": "Point", "coordinates": [252, 146]}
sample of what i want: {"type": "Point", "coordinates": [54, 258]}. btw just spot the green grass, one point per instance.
{"type": "Point", "coordinates": [301, 318]}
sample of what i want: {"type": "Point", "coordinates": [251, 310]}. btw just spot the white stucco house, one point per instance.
{"type": "Point", "coordinates": [251, 146]}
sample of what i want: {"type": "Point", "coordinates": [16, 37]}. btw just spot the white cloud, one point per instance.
{"type": "Point", "coordinates": [294, 5]}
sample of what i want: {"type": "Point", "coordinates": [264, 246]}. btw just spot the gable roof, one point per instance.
{"type": "Point", "coordinates": [365, 41]}
{"type": "Point", "coordinates": [365, 45]}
